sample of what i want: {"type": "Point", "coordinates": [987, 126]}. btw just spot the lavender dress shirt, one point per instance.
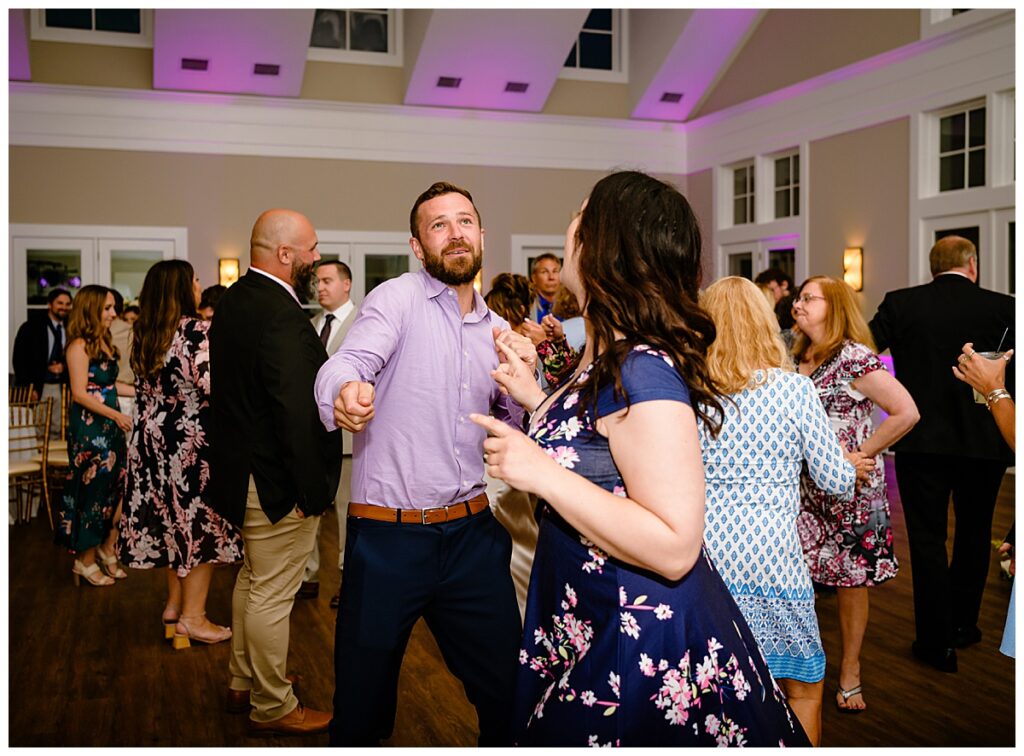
{"type": "Point", "coordinates": [431, 369]}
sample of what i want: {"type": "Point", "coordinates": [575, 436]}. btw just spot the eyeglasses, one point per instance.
{"type": "Point", "coordinates": [805, 298]}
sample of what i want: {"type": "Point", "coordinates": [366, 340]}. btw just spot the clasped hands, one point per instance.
{"type": "Point", "coordinates": [862, 463]}
{"type": "Point", "coordinates": [353, 407]}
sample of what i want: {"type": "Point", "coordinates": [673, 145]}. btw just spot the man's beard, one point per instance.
{"type": "Point", "coordinates": [303, 281]}
{"type": "Point", "coordinates": [453, 271]}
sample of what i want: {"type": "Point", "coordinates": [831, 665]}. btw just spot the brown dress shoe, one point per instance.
{"type": "Point", "coordinates": [308, 590]}
{"type": "Point", "coordinates": [336, 599]}
{"type": "Point", "coordinates": [238, 700]}
{"type": "Point", "coordinates": [299, 721]}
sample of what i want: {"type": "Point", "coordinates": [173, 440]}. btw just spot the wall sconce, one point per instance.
{"type": "Point", "coordinates": [478, 282]}
{"type": "Point", "coordinates": [227, 269]}
{"type": "Point", "coordinates": [853, 267]}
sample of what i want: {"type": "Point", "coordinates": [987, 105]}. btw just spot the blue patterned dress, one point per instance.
{"type": "Point", "coordinates": [752, 477]}
{"type": "Point", "coordinates": [616, 655]}
{"type": "Point", "coordinates": [96, 457]}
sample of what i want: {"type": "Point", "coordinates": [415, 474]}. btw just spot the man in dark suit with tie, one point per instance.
{"type": "Point", "coordinates": [274, 467]}
{"type": "Point", "coordinates": [38, 357]}
{"type": "Point", "coordinates": [333, 292]}
{"type": "Point", "coordinates": [954, 449]}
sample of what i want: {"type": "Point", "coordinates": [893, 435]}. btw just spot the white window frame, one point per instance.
{"type": "Point", "coordinates": [525, 246]}
{"type": "Point", "coordinates": [931, 209]}
{"type": "Point", "coordinates": [42, 32]}
{"type": "Point", "coordinates": [351, 247]}
{"type": "Point", "coordinates": [936, 21]}
{"type": "Point", "coordinates": [620, 54]}
{"type": "Point", "coordinates": [770, 188]}
{"type": "Point", "coordinates": [764, 235]}
{"type": "Point", "coordinates": [393, 57]}
{"type": "Point", "coordinates": [751, 199]}
{"type": "Point", "coordinates": [936, 156]}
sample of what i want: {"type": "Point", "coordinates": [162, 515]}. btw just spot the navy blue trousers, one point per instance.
{"type": "Point", "coordinates": [456, 576]}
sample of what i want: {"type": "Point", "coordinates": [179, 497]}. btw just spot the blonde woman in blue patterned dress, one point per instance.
{"type": "Point", "coordinates": [773, 423]}
{"type": "Point", "coordinates": [848, 544]}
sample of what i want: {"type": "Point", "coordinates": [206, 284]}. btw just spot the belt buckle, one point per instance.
{"type": "Point", "coordinates": [423, 514]}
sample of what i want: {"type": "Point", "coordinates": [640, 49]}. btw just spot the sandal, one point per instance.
{"type": "Point", "coordinates": [847, 695]}
{"type": "Point", "coordinates": [183, 633]}
{"type": "Point", "coordinates": [92, 574]}
{"type": "Point", "coordinates": [169, 623]}
{"type": "Point", "coordinates": [109, 565]}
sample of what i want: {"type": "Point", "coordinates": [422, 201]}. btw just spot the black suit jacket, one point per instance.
{"type": "Point", "coordinates": [31, 354]}
{"type": "Point", "coordinates": [925, 327]}
{"type": "Point", "coordinates": [264, 356]}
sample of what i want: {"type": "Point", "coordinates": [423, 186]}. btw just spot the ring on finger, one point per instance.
{"type": "Point", "coordinates": [962, 359]}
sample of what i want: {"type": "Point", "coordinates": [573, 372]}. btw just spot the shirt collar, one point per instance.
{"type": "Point", "coordinates": [953, 273]}
{"type": "Point", "coordinates": [272, 277]}
{"type": "Point", "coordinates": [435, 288]}
{"type": "Point", "coordinates": [342, 312]}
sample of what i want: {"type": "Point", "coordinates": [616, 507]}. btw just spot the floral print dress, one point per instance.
{"type": "Point", "coordinates": [613, 655]}
{"type": "Point", "coordinates": [847, 542]}
{"type": "Point", "coordinates": [96, 454]}
{"type": "Point", "coordinates": [166, 522]}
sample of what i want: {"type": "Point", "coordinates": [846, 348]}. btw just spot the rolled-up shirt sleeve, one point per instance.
{"type": "Point", "coordinates": [369, 343]}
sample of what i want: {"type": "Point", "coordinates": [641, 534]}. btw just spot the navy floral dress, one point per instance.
{"type": "Point", "coordinates": [613, 655]}
{"type": "Point", "coordinates": [847, 542]}
{"type": "Point", "coordinates": [96, 457]}
{"type": "Point", "coordinates": [166, 522]}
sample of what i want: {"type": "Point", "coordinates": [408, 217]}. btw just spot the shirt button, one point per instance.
{"type": "Point", "coordinates": [465, 352]}
{"type": "Point", "coordinates": [465, 385]}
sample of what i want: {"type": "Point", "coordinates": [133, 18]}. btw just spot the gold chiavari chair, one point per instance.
{"type": "Point", "coordinates": [57, 462]}
{"type": "Point", "coordinates": [19, 394]}
{"type": "Point", "coordinates": [28, 445]}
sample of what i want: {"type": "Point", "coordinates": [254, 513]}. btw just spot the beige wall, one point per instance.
{"type": "Point", "coordinates": [380, 85]}
{"type": "Point", "coordinates": [697, 188]}
{"type": "Point", "coordinates": [588, 98]}
{"type": "Point", "coordinates": [218, 197]}
{"type": "Point", "coordinates": [91, 65]}
{"type": "Point", "coordinates": [790, 46]}
{"type": "Point", "coordinates": [859, 197]}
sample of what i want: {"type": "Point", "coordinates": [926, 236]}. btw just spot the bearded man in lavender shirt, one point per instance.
{"type": "Point", "coordinates": [422, 541]}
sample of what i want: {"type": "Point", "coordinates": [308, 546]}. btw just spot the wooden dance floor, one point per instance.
{"type": "Point", "coordinates": [88, 666]}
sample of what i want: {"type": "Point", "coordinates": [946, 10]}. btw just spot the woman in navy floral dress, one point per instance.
{"type": "Point", "coordinates": [848, 543]}
{"type": "Point", "coordinates": [96, 441]}
{"type": "Point", "coordinates": [631, 637]}
{"type": "Point", "coordinates": [166, 522]}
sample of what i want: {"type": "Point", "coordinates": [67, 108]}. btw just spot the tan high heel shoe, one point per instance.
{"type": "Point", "coordinates": [169, 624]}
{"type": "Point", "coordinates": [183, 633]}
{"type": "Point", "coordinates": [92, 574]}
{"type": "Point", "coordinates": [108, 563]}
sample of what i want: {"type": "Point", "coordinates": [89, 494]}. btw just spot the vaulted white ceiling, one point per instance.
{"type": "Point", "coordinates": [674, 59]}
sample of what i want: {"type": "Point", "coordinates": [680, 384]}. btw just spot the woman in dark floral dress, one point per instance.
{"type": "Point", "coordinates": [848, 543]}
{"type": "Point", "coordinates": [96, 441]}
{"type": "Point", "coordinates": [631, 637]}
{"type": "Point", "coordinates": [166, 523]}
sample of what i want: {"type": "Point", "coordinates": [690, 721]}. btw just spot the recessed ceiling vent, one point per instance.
{"type": "Point", "coordinates": [449, 82]}
{"type": "Point", "coordinates": [266, 69]}
{"type": "Point", "coordinates": [672, 97]}
{"type": "Point", "coordinates": [194, 64]}
{"type": "Point", "coordinates": [516, 86]}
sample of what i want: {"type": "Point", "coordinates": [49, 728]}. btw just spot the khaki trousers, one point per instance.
{"type": "Point", "coordinates": [261, 606]}
{"type": "Point", "coordinates": [312, 572]}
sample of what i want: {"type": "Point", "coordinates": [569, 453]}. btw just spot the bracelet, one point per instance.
{"type": "Point", "coordinates": [996, 396]}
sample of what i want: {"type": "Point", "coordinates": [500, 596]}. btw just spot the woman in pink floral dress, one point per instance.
{"type": "Point", "coordinates": [848, 544]}
{"type": "Point", "coordinates": [166, 523]}
{"type": "Point", "coordinates": [631, 637]}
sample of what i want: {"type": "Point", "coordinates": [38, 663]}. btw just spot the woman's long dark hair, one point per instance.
{"type": "Point", "coordinates": [166, 297]}
{"type": "Point", "coordinates": [639, 258]}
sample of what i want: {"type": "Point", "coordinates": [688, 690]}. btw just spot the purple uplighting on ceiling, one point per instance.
{"type": "Point", "coordinates": [241, 48]}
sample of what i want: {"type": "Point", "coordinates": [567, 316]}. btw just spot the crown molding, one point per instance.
{"type": "Point", "coordinates": [42, 115]}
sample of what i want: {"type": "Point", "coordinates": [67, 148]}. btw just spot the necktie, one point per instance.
{"type": "Point", "coordinates": [325, 332]}
{"type": "Point", "coordinates": [57, 353]}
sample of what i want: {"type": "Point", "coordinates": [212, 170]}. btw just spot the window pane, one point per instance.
{"type": "Point", "coordinates": [128, 268]}
{"type": "Point", "coordinates": [951, 173]}
{"type": "Point", "coordinates": [328, 29]}
{"type": "Point", "coordinates": [750, 208]}
{"type": "Point", "coordinates": [783, 259]}
{"type": "Point", "coordinates": [782, 172]}
{"type": "Point", "coordinates": [976, 168]}
{"type": "Point", "coordinates": [739, 211]}
{"type": "Point", "coordinates": [782, 203]}
{"type": "Point", "coordinates": [49, 269]}
{"type": "Point", "coordinates": [750, 179]}
{"type": "Point", "coordinates": [69, 19]}
{"type": "Point", "coordinates": [380, 268]}
{"type": "Point", "coordinates": [796, 200]}
{"type": "Point", "coordinates": [796, 169]}
{"type": "Point", "coordinates": [599, 19]}
{"type": "Point", "coordinates": [741, 265]}
{"type": "Point", "coordinates": [596, 51]}
{"type": "Point", "coordinates": [570, 62]}
{"type": "Point", "coordinates": [739, 181]}
{"type": "Point", "coordinates": [369, 31]}
{"type": "Point", "coordinates": [125, 21]}
{"type": "Point", "coordinates": [977, 128]}
{"type": "Point", "coordinates": [951, 136]}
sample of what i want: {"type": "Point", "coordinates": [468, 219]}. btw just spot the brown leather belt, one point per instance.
{"type": "Point", "coordinates": [430, 516]}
